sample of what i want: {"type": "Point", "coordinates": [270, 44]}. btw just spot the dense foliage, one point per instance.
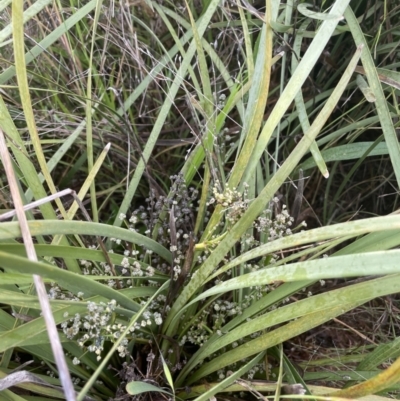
{"type": "Point", "coordinates": [216, 183]}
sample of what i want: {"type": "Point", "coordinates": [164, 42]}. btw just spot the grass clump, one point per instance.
{"type": "Point", "coordinates": [236, 169]}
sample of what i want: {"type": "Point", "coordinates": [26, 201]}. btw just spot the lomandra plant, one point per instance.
{"type": "Point", "coordinates": [190, 292]}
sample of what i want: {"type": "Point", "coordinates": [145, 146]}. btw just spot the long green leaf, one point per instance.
{"type": "Point", "coordinates": [322, 304]}
{"type": "Point", "coordinates": [381, 103]}
{"type": "Point", "coordinates": [66, 279]}
{"type": "Point", "coordinates": [356, 265]}
{"type": "Point", "coordinates": [52, 227]}
{"type": "Point", "coordinates": [302, 72]}
{"type": "Point", "coordinates": [370, 290]}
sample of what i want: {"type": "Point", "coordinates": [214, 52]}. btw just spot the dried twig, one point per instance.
{"type": "Point", "coordinates": [55, 342]}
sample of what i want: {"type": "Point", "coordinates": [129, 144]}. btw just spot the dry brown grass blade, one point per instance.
{"type": "Point", "coordinates": [37, 203]}
{"type": "Point", "coordinates": [56, 346]}
{"type": "Point", "coordinates": [378, 383]}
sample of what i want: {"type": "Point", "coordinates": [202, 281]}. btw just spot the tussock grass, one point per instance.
{"type": "Point", "coordinates": [236, 169]}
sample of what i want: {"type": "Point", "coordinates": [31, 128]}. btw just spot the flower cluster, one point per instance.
{"type": "Point", "coordinates": [129, 267]}
{"type": "Point", "coordinates": [276, 227]}
{"type": "Point", "coordinates": [153, 219]}
{"type": "Point", "coordinates": [223, 373]}
{"type": "Point", "coordinates": [95, 324]}
{"type": "Point", "coordinates": [210, 321]}
{"type": "Point", "coordinates": [56, 292]}
{"type": "Point", "coordinates": [233, 202]}
{"type": "Point", "coordinates": [99, 324]}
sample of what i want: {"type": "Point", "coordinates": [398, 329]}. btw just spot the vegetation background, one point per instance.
{"type": "Point", "coordinates": [215, 195]}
